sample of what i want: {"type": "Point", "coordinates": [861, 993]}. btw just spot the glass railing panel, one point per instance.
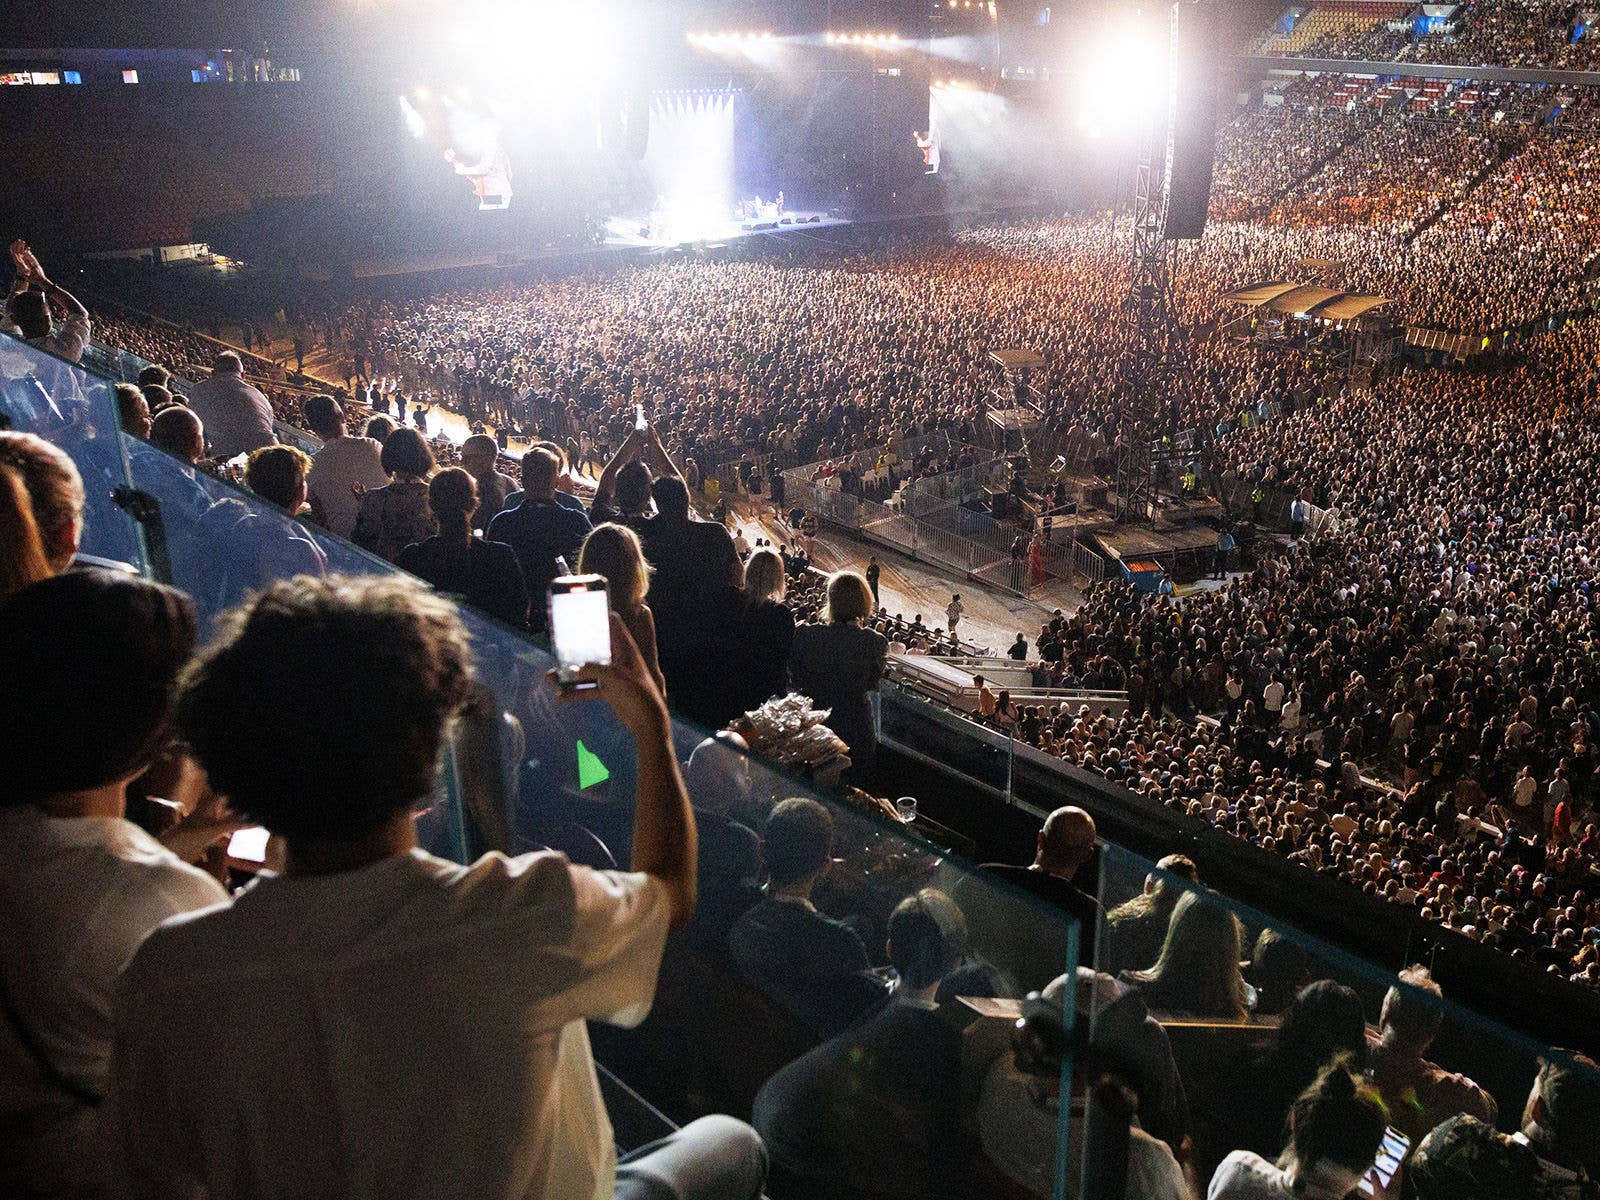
{"type": "Point", "coordinates": [862, 1013]}
{"type": "Point", "coordinates": [1237, 1014]}
{"type": "Point", "coordinates": [74, 409]}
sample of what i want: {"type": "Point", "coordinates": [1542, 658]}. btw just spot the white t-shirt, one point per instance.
{"type": "Point", "coordinates": [342, 463]}
{"type": "Point", "coordinates": [79, 895]}
{"type": "Point", "coordinates": [1244, 1175]}
{"type": "Point", "coordinates": [413, 1028]}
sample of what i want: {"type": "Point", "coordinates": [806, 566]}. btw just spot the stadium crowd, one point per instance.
{"type": "Point", "coordinates": [1406, 701]}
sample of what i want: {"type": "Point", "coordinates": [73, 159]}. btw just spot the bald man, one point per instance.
{"type": "Point", "coordinates": [1066, 843]}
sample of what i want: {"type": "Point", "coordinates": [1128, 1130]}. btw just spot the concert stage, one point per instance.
{"type": "Point", "coordinates": [658, 231]}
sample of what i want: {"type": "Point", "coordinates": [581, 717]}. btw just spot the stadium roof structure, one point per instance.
{"type": "Point", "coordinates": [1305, 300]}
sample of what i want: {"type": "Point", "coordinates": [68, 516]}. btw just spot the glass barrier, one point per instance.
{"type": "Point", "coordinates": [75, 410]}
{"type": "Point", "coordinates": [863, 1016]}
{"type": "Point", "coordinates": [1216, 1018]}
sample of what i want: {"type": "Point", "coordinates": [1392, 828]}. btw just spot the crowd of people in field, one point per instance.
{"type": "Point", "coordinates": [1405, 700]}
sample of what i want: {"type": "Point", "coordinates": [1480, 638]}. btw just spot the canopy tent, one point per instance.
{"type": "Point", "coordinates": [1349, 306]}
{"type": "Point", "coordinates": [1017, 360]}
{"type": "Point", "coordinates": [1305, 300]}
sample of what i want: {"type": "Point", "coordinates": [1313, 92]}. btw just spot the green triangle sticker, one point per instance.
{"type": "Point", "coordinates": [590, 769]}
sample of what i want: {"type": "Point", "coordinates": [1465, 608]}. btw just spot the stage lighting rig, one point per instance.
{"type": "Point", "coordinates": [865, 41]}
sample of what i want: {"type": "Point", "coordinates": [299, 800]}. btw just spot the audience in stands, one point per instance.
{"type": "Point", "coordinates": [371, 968]}
{"type": "Point", "coordinates": [1335, 1128]}
{"type": "Point", "coordinates": [236, 416]}
{"type": "Point", "coordinates": [614, 552]}
{"type": "Point", "coordinates": [80, 885]}
{"type": "Point", "coordinates": [396, 515]}
{"type": "Point", "coordinates": [483, 573]}
{"type": "Point", "coordinates": [812, 966]}
{"type": "Point", "coordinates": [41, 510]}
{"type": "Point", "coordinates": [839, 663]}
{"type": "Point", "coordinates": [343, 469]}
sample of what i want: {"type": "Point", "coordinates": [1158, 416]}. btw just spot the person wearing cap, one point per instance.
{"type": "Point", "coordinates": [343, 465]}
{"type": "Point", "coordinates": [1465, 1159]}
{"type": "Point", "coordinates": [1561, 1124]}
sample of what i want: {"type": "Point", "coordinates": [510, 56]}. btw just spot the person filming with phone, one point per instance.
{"type": "Point", "coordinates": [377, 1021]}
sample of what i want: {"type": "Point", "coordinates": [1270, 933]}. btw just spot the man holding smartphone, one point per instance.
{"type": "Point", "coordinates": [377, 1021]}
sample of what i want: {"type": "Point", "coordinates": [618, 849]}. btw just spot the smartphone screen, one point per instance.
{"type": "Point", "coordinates": [1380, 1177]}
{"type": "Point", "coordinates": [249, 845]}
{"type": "Point", "coordinates": [580, 624]}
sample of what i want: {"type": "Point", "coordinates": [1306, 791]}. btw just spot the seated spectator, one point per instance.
{"type": "Point", "coordinates": [247, 547]}
{"type": "Point", "coordinates": [1136, 928]}
{"type": "Point", "coordinates": [176, 431]}
{"type": "Point", "coordinates": [1323, 1023]}
{"type": "Point", "coordinates": [480, 458]}
{"type": "Point", "coordinates": [133, 411]}
{"type": "Point", "coordinates": [343, 469]}
{"type": "Point", "coordinates": [236, 416]}
{"type": "Point", "coordinates": [1277, 971]}
{"type": "Point", "coordinates": [1019, 1105]}
{"type": "Point", "coordinates": [879, 1109]}
{"type": "Point", "coordinates": [1197, 972]}
{"type": "Point", "coordinates": [1336, 1127]}
{"type": "Point", "coordinates": [765, 634]}
{"type": "Point", "coordinates": [809, 964]}
{"type": "Point", "coordinates": [480, 975]}
{"type": "Point", "coordinates": [1066, 843]}
{"type": "Point", "coordinates": [1419, 1094]}
{"type": "Point", "coordinates": [379, 427]}
{"type": "Point", "coordinates": [540, 530]}
{"type": "Point", "coordinates": [839, 663]}
{"type": "Point", "coordinates": [1561, 1120]}
{"type": "Point", "coordinates": [485, 574]}
{"type": "Point", "coordinates": [41, 510]}
{"type": "Point", "coordinates": [1019, 648]}
{"type": "Point", "coordinates": [81, 886]}
{"type": "Point", "coordinates": [718, 778]}
{"type": "Point", "coordinates": [392, 517]}
{"type": "Point", "coordinates": [613, 551]}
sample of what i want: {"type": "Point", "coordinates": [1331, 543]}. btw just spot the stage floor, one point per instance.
{"type": "Point", "coordinates": [639, 232]}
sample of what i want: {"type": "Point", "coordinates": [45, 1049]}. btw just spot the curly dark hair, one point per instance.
{"type": "Point", "coordinates": [320, 706]}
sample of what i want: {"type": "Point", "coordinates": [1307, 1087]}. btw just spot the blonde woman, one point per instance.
{"type": "Point", "coordinates": [839, 663]}
{"type": "Point", "coordinates": [614, 551]}
{"type": "Point", "coordinates": [766, 631]}
{"type": "Point", "coordinates": [41, 511]}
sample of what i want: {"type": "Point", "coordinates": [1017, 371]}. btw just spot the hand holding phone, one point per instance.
{"type": "Point", "coordinates": [580, 627]}
{"type": "Point", "coordinates": [624, 682]}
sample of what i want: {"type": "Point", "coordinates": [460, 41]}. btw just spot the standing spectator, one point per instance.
{"type": "Point", "coordinates": [28, 308]}
{"type": "Point", "coordinates": [540, 530]}
{"type": "Point", "coordinates": [765, 634]}
{"type": "Point", "coordinates": [953, 612]}
{"type": "Point", "coordinates": [483, 573]}
{"type": "Point", "coordinates": [407, 1011]}
{"type": "Point", "coordinates": [343, 470]}
{"type": "Point", "coordinates": [236, 416]}
{"type": "Point", "coordinates": [1225, 544]}
{"type": "Point", "coordinates": [480, 457]}
{"type": "Point", "coordinates": [394, 516]}
{"type": "Point", "coordinates": [613, 551]}
{"type": "Point", "coordinates": [839, 665]}
{"type": "Point", "coordinates": [874, 571]}
{"type": "Point", "coordinates": [81, 886]}
{"type": "Point", "coordinates": [1019, 648]}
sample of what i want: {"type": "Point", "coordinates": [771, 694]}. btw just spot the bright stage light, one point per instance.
{"type": "Point", "coordinates": [868, 41]}
{"type": "Point", "coordinates": [1122, 83]}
